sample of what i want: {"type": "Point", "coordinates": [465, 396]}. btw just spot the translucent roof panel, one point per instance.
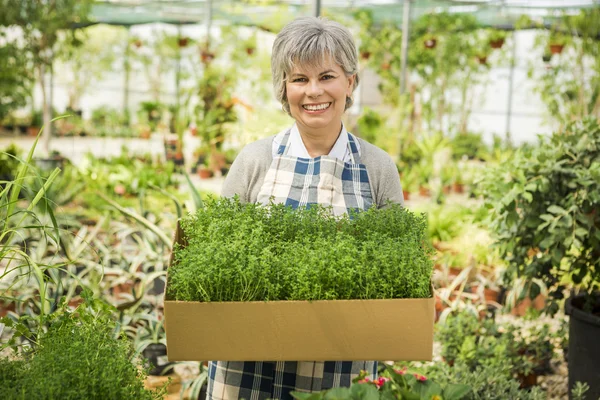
{"type": "Point", "coordinates": [488, 12]}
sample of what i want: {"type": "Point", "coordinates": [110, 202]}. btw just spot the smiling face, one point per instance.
{"type": "Point", "coordinates": [317, 97]}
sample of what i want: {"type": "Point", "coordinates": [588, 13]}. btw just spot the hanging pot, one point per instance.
{"type": "Point", "coordinates": [430, 43]}
{"type": "Point", "coordinates": [496, 44]}
{"type": "Point", "coordinates": [556, 48]}
{"type": "Point", "coordinates": [584, 344]}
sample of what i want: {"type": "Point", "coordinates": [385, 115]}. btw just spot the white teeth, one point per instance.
{"type": "Point", "coordinates": [317, 108]}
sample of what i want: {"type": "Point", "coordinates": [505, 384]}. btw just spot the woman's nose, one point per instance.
{"type": "Point", "coordinates": [314, 89]}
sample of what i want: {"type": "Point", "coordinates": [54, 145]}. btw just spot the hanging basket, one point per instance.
{"type": "Point", "coordinates": [497, 43]}
{"type": "Point", "coordinates": [430, 43]}
{"type": "Point", "coordinates": [182, 42]}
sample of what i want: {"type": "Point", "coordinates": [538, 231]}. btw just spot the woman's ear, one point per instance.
{"type": "Point", "coordinates": [351, 80]}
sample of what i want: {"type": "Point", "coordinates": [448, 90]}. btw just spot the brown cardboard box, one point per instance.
{"type": "Point", "coordinates": [399, 329]}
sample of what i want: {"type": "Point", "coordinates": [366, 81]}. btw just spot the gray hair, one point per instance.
{"type": "Point", "coordinates": [308, 41]}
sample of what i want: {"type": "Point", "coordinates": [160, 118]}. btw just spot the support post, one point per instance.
{"type": "Point", "coordinates": [511, 78]}
{"type": "Point", "coordinates": [208, 21]}
{"type": "Point", "coordinates": [405, 36]}
{"type": "Point", "coordinates": [126, 68]}
{"type": "Point", "coordinates": [317, 8]}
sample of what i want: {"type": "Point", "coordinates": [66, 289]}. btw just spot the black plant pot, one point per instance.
{"type": "Point", "coordinates": [584, 345]}
{"type": "Point", "coordinates": [156, 353]}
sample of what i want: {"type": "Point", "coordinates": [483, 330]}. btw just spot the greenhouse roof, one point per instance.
{"type": "Point", "coordinates": [264, 12]}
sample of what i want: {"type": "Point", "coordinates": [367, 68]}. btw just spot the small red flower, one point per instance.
{"type": "Point", "coordinates": [400, 371]}
{"type": "Point", "coordinates": [366, 380]}
{"type": "Point", "coordinates": [420, 377]}
{"type": "Point", "coordinates": [381, 381]}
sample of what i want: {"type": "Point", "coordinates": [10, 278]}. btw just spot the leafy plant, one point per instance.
{"type": "Point", "coordinates": [247, 252]}
{"type": "Point", "coordinates": [544, 206]}
{"type": "Point", "coordinates": [392, 384]}
{"type": "Point", "coordinates": [78, 357]}
{"type": "Point", "coordinates": [487, 381]}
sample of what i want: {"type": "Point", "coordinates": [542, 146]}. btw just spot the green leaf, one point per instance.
{"type": "Point", "coordinates": [554, 209]}
{"type": "Point", "coordinates": [528, 196]}
{"type": "Point", "coordinates": [582, 233]}
{"type": "Point", "coordinates": [364, 391]}
{"type": "Point", "coordinates": [340, 393]}
{"type": "Point", "coordinates": [307, 396]}
{"type": "Point", "coordinates": [455, 391]}
{"type": "Point", "coordinates": [429, 389]}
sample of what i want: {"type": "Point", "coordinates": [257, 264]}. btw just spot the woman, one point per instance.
{"type": "Point", "coordinates": [316, 161]}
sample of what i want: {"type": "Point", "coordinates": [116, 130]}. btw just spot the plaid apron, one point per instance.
{"type": "Point", "coordinates": [299, 182]}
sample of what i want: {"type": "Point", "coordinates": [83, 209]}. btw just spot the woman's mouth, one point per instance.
{"type": "Point", "coordinates": [316, 108]}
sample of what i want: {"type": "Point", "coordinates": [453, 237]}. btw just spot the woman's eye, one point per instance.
{"type": "Point", "coordinates": [327, 77]}
{"type": "Point", "coordinates": [299, 80]}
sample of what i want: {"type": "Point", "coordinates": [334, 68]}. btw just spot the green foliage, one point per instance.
{"type": "Point", "coordinates": [132, 174]}
{"type": "Point", "coordinates": [215, 91]}
{"type": "Point", "coordinates": [469, 145]}
{"type": "Point", "coordinates": [78, 357]}
{"type": "Point", "coordinates": [569, 83]}
{"type": "Point", "coordinates": [393, 384]}
{"type": "Point", "coordinates": [247, 252]}
{"type": "Point", "coordinates": [449, 66]}
{"type": "Point", "coordinates": [65, 188]}
{"type": "Point", "coordinates": [16, 79]}
{"type": "Point", "coordinates": [544, 206]}
{"type": "Point", "coordinates": [508, 348]}
{"type": "Point", "coordinates": [369, 125]}
{"type": "Point", "coordinates": [9, 163]}
{"type": "Point", "coordinates": [487, 382]}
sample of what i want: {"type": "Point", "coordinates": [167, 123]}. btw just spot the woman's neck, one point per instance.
{"type": "Point", "coordinates": [319, 142]}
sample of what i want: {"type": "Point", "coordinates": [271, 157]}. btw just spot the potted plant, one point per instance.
{"type": "Point", "coordinates": [429, 41]}
{"type": "Point", "coordinates": [557, 41]}
{"type": "Point", "coordinates": [183, 41]}
{"type": "Point", "coordinates": [249, 44]}
{"type": "Point", "coordinates": [496, 38]}
{"type": "Point", "coordinates": [547, 223]}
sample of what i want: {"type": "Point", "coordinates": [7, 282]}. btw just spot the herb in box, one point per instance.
{"type": "Point", "coordinates": [248, 282]}
{"type": "Point", "coordinates": [247, 252]}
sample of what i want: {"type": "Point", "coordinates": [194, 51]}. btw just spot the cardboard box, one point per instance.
{"type": "Point", "coordinates": [399, 329]}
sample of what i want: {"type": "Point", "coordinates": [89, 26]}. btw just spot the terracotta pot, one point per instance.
{"type": "Point", "coordinates": [365, 55]}
{"type": "Point", "coordinates": [556, 48]}
{"type": "Point", "coordinates": [425, 192]}
{"type": "Point", "coordinates": [125, 287]}
{"type": "Point", "coordinates": [521, 307]}
{"type": "Point", "coordinates": [447, 189]}
{"type": "Point", "coordinates": [496, 44]}
{"type": "Point", "coordinates": [6, 307]}
{"type": "Point", "coordinates": [145, 134]}
{"type": "Point", "coordinates": [205, 173]}
{"type": "Point", "coordinates": [406, 195]}
{"type": "Point", "coordinates": [385, 66]}
{"type": "Point", "coordinates": [206, 57]}
{"type": "Point", "coordinates": [183, 42]}
{"type": "Point", "coordinates": [249, 51]}
{"type": "Point", "coordinates": [482, 60]}
{"type": "Point", "coordinates": [458, 187]}
{"type": "Point", "coordinates": [33, 130]}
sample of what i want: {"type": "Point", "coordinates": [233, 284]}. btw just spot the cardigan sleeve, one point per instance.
{"type": "Point", "coordinates": [248, 171]}
{"type": "Point", "coordinates": [383, 175]}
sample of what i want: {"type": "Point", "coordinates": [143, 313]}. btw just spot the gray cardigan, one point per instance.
{"type": "Point", "coordinates": [247, 173]}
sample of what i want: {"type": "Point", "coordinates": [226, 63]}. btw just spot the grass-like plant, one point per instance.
{"type": "Point", "coordinates": [248, 252]}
